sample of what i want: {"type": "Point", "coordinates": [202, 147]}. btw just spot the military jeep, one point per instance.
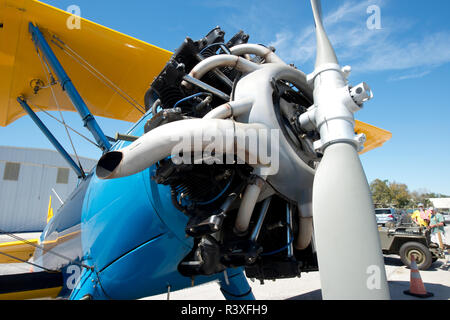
{"type": "Point", "coordinates": [410, 240]}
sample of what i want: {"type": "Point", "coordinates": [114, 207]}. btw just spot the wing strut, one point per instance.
{"type": "Point", "coordinates": [89, 121]}
{"type": "Point", "coordinates": [51, 138]}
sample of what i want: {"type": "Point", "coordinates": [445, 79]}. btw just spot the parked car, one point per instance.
{"type": "Point", "coordinates": [386, 216]}
{"type": "Point", "coordinates": [446, 216]}
{"type": "Point", "coordinates": [410, 240]}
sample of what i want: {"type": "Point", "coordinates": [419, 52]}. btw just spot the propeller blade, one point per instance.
{"type": "Point", "coordinates": [349, 252]}
{"type": "Point", "coordinates": [325, 51]}
{"type": "Point", "coordinates": [348, 247]}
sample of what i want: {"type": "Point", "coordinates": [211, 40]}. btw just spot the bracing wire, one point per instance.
{"type": "Point", "coordinates": [48, 76]}
{"type": "Point", "coordinates": [64, 124]}
{"type": "Point", "coordinates": [37, 246]}
{"type": "Point", "coordinates": [27, 262]}
{"type": "Point", "coordinates": [100, 76]}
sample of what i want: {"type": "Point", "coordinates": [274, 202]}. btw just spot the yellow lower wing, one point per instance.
{"type": "Point", "coordinates": [129, 63]}
{"type": "Point", "coordinates": [49, 293]}
{"type": "Point", "coordinates": [18, 249]}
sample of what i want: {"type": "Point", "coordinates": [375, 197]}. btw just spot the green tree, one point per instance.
{"type": "Point", "coordinates": [400, 194]}
{"type": "Point", "coordinates": [381, 193]}
{"type": "Point", "coordinates": [387, 194]}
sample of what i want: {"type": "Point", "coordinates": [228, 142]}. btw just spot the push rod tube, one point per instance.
{"type": "Point", "coordinates": [262, 216]}
{"type": "Point", "coordinates": [51, 138]}
{"type": "Point", "coordinates": [223, 60]}
{"type": "Point", "coordinates": [88, 119]}
{"type": "Point", "coordinates": [289, 212]}
{"type": "Point", "coordinates": [187, 79]}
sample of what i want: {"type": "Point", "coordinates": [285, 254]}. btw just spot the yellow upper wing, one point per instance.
{"type": "Point", "coordinates": [129, 63]}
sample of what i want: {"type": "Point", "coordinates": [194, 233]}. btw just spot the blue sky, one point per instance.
{"type": "Point", "coordinates": [406, 62]}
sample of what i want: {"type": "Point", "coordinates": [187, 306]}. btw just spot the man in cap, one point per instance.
{"type": "Point", "coordinates": [437, 227]}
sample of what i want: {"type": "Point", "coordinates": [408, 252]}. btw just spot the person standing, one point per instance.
{"type": "Point", "coordinates": [421, 217]}
{"type": "Point", "coordinates": [437, 228]}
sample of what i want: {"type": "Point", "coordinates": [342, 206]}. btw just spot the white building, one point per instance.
{"type": "Point", "coordinates": [441, 203]}
{"type": "Point", "coordinates": [27, 177]}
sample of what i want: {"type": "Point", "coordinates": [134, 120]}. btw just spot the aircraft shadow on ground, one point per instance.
{"type": "Point", "coordinates": [396, 288]}
{"type": "Point", "coordinates": [394, 261]}
{"type": "Point", "coordinates": [440, 292]}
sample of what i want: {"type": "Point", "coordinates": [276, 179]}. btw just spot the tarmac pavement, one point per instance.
{"type": "Point", "coordinates": [436, 280]}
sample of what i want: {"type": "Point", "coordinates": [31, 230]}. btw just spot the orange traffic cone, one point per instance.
{"type": "Point", "coordinates": [416, 286]}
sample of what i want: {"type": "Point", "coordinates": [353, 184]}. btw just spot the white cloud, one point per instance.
{"type": "Point", "coordinates": [396, 47]}
{"type": "Point", "coordinates": [301, 48]}
{"type": "Point", "coordinates": [433, 50]}
{"type": "Point", "coordinates": [415, 75]}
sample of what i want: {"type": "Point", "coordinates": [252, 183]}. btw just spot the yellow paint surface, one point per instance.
{"type": "Point", "coordinates": [33, 294]}
{"type": "Point", "coordinates": [17, 249]}
{"type": "Point", "coordinates": [129, 63]}
{"type": "Point", "coordinates": [376, 137]}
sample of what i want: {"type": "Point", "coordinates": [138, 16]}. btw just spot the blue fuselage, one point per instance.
{"type": "Point", "coordinates": [126, 229]}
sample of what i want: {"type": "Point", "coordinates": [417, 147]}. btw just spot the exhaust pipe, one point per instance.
{"type": "Point", "coordinates": [176, 137]}
{"type": "Point", "coordinates": [305, 228]}
{"type": "Point", "coordinates": [108, 163]}
{"type": "Point", "coordinates": [305, 232]}
{"type": "Point", "coordinates": [261, 51]}
{"type": "Point", "coordinates": [248, 203]}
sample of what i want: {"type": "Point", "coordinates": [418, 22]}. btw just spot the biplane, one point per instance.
{"type": "Point", "coordinates": [148, 219]}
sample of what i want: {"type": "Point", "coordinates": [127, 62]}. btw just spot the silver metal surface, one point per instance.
{"type": "Point", "coordinates": [341, 189]}
{"type": "Point", "coordinates": [163, 142]}
{"type": "Point", "coordinates": [24, 203]}
{"type": "Point", "coordinates": [344, 223]}
{"type": "Point", "coordinates": [261, 51]}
